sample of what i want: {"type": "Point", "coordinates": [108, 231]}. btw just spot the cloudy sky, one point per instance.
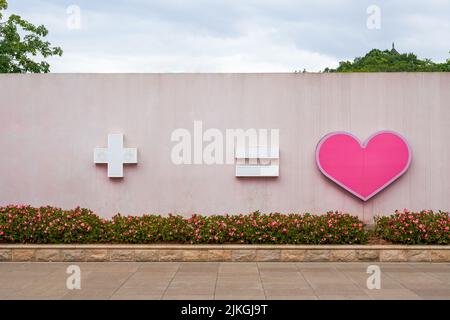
{"type": "Point", "coordinates": [233, 35]}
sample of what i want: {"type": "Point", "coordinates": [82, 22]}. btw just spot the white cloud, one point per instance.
{"type": "Point", "coordinates": [233, 36]}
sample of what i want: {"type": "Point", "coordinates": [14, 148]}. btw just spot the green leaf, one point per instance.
{"type": "Point", "coordinates": [23, 54]}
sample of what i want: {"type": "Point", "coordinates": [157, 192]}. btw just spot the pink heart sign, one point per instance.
{"type": "Point", "coordinates": [366, 168]}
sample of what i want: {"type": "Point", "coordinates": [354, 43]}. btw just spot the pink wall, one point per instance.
{"type": "Point", "coordinates": [50, 125]}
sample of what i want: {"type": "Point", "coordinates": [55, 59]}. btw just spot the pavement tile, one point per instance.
{"type": "Point", "coordinates": [277, 267]}
{"type": "Point", "coordinates": [330, 288]}
{"type": "Point", "coordinates": [327, 279]}
{"type": "Point", "coordinates": [286, 285]}
{"type": "Point", "coordinates": [107, 266]}
{"type": "Point", "coordinates": [186, 291]}
{"type": "Point", "coordinates": [5, 292]}
{"type": "Point", "coordinates": [349, 266]}
{"type": "Point", "coordinates": [240, 291]}
{"type": "Point", "coordinates": [133, 282]}
{"type": "Point", "coordinates": [141, 291]}
{"type": "Point", "coordinates": [288, 292]}
{"type": "Point", "coordinates": [280, 275]}
{"type": "Point", "coordinates": [23, 281]}
{"type": "Point", "coordinates": [418, 280]}
{"type": "Point", "coordinates": [153, 275]}
{"type": "Point", "coordinates": [441, 276]}
{"type": "Point", "coordinates": [239, 267]}
{"type": "Point", "coordinates": [180, 281]}
{"type": "Point", "coordinates": [8, 266]}
{"type": "Point", "coordinates": [228, 296]}
{"type": "Point", "coordinates": [32, 266]}
{"type": "Point", "coordinates": [360, 279]}
{"type": "Point", "coordinates": [314, 266]}
{"type": "Point", "coordinates": [89, 294]}
{"type": "Point", "coordinates": [39, 293]}
{"type": "Point", "coordinates": [158, 267]}
{"type": "Point", "coordinates": [308, 297]}
{"type": "Point", "coordinates": [435, 292]}
{"type": "Point", "coordinates": [392, 294]}
{"type": "Point", "coordinates": [100, 280]}
{"type": "Point", "coordinates": [238, 286]}
{"type": "Point", "coordinates": [188, 297]}
{"type": "Point", "coordinates": [199, 266]}
{"type": "Point", "coordinates": [344, 297]}
{"type": "Point", "coordinates": [136, 297]}
{"type": "Point", "coordinates": [238, 277]}
{"type": "Point", "coordinates": [395, 267]}
{"type": "Point", "coordinates": [190, 284]}
{"type": "Point", "coordinates": [196, 275]}
{"type": "Point", "coordinates": [431, 267]}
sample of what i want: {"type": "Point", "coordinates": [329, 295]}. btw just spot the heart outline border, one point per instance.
{"type": "Point", "coordinates": [363, 145]}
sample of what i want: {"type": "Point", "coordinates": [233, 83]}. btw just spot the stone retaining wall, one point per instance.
{"type": "Point", "coordinates": [234, 253]}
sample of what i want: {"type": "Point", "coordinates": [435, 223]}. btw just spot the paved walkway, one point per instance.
{"type": "Point", "coordinates": [224, 281]}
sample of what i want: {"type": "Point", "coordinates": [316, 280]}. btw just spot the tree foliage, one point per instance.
{"type": "Point", "coordinates": [22, 45]}
{"type": "Point", "coordinates": [390, 61]}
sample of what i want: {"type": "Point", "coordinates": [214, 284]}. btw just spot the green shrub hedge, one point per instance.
{"type": "Point", "coordinates": [26, 224]}
{"type": "Point", "coordinates": [274, 228]}
{"type": "Point", "coordinates": [424, 227]}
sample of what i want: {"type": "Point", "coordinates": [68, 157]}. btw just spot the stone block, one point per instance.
{"type": "Point", "coordinates": [23, 255]}
{"type": "Point", "coordinates": [171, 255]}
{"type": "Point", "coordinates": [219, 255]}
{"type": "Point", "coordinates": [440, 255]}
{"type": "Point", "coordinates": [418, 255]}
{"type": "Point", "coordinates": [368, 255]}
{"type": "Point", "coordinates": [387, 255]}
{"type": "Point", "coordinates": [293, 255]}
{"type": "Point", "coordinates": [268, 255]}
{"type": "Point", "coordinates": [48, 255]}
{"type": "Point", "coordinates": [97, 255]}
{"type": "Point", "coordinates": [317, 255]}
{"type": "Point", "coordinates": [195, 255]}
{"type": "Point", "coordinates": [118, 255]}
{"type": "Point", "coordinates": [244, 255]}
{"type": "Point", "coordinates": [72, 255]}
{"type": "Point", "coordinates": [146, 255]}
{"type": "Point", "coordinates": [343, 255]}
{"type": "Point", "coordinates": [5, 255]}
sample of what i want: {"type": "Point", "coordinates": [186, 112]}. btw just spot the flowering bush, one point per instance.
{"type": "Point", "coordinates": [424, 227]}
{"type": "Point", "coordinates": [331, 228]}
{"type": "Point", "coordinates": [26, 224]}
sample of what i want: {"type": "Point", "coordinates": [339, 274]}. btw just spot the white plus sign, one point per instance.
{"type": "Point", "coordinates": [115, 155]}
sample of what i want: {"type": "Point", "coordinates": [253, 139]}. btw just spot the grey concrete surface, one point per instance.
{"type": "Point", "coordinates": [210, 280]}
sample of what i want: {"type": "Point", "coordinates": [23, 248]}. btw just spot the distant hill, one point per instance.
{"type": "Point", "coordinates": [390, 61]}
